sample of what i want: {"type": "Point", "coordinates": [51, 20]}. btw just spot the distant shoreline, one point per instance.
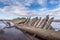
{"type": "Point", "coordinates": [56, 21]}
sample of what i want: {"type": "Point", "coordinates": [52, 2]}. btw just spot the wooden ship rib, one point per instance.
{"type": "Point", "coordinates": [40, 27]}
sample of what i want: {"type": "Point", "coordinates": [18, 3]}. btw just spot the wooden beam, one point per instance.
{"type": "Point", "coordinates": [37, 22]}
{"type": "Point", "coordinates": [48, 23]}
{"type": "Point", "coordinates": [45, 34]}
{"type": "Point", "coordinates": [44, 22]}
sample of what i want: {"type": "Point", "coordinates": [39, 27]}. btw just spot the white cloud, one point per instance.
{"type": "Point", "coordinates": [17, 2]}
{"type": "Point", "coordinates": [28, 2]}
{"type": "Point", "coordinates": [53, 13]}
{"type": "Point", "coordinates": [23, 2]}
{"type": "Point", "coordinates": [42, 2]}
{"type": "Point", "coordinates": [21, 10]}
{"type": "Point", "coordinates": [17, 10]}
{"type": "Point", "coordinates": [53, 2]}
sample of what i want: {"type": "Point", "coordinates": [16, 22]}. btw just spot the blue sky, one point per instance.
{"type": "Point", "coordinates": [10, 9]}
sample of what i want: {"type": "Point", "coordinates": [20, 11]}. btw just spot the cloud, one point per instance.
{"type": "Point", "coordinates": [53, 13]}
{"type": "Point", "coordinates": [22, 11]}
{"type": "Point", "coordinates": [42, 2]}
{"type": "Point", "coordinates": [54, 1]}
{"type": "Point", "coordinates": [17, 2]}
{"type": "Point", "coordinates": [28, 3]}
{"type": "Point", "coordinates": [17, 8]}
{"type": "Point", "coordinates": [23, 2]}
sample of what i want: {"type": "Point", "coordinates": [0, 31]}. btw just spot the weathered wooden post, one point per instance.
{"type": "Point", "coordinates": [26, 23]}
{"type": "Point", "coordinates": [37, 22]}
{"type": "Point", "coordinates": [50, 28]}
{"type": "Point", "coordinates": [48, 23]}
{"type": "Point", "coordinates": [44, 22]}
{"type": "Point", "coordinates": [25, 20]}
{"type": "Point", "coordinates": [33, 21]}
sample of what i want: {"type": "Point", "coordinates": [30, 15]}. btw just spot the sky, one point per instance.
{"type": "Point", "coordinates": [10, 9]}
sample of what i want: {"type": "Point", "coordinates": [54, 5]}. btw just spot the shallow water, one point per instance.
{"type": "Point", "coordinates": [2, 25]}
{"type": "Point", "coordinates": [56, 25]}
{"type": "Point", "coordinates": [12, 33]}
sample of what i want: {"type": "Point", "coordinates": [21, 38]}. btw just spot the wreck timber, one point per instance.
{"type": "Point", "coordinates": [45, 34]}
{"type": "Point", "coordinates": [40, 28]}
